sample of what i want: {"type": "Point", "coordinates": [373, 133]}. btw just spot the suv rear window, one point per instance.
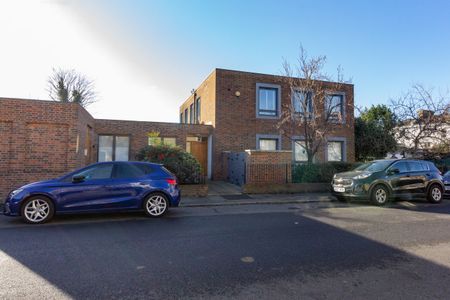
{"type": "Point", "coordinates": [417, 166]}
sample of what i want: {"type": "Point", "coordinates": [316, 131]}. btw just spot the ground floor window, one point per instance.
{"type": "Point", "coordinates": [267, 143]}
{"type": "Point", "coordinates": [113, 148]}
{"type": "Point", "coordinates": [335, 151]}
{"type": "Point", "coordinates": [169, 141]}
{"type": "Point", "coordinates": [300, 153]}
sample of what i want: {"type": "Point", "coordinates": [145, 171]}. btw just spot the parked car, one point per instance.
{"type": "Point", "coordinates": [381, 180]}
{"type": "Point", "coordinates": [447, 182]}
{"type": "Point", "coordinates": [101, 187]}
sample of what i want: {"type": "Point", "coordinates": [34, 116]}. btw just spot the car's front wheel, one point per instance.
{"type": "Point", "coordinates": [156, 205]}
{"type": "Point", "coordinates": [435, 194]}
{"type": "Point", "coordinates": [37, 210]}
{"type": "Point", "coordinates": [380, 195]}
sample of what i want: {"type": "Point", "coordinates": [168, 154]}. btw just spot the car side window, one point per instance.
{"type": "Point", "coordinates": [416, 166]}
{"type": "Point", "coordinates": [402, 166]}
{"type": "Point", "coordinates": [128, 171]}
{"type": "Point", "coordinates": [102, 171]}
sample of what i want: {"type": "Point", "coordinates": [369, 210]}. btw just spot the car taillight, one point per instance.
{"type": "Point", "coordinates": [171, 181]}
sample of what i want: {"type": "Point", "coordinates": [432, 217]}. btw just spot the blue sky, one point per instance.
{"type": "Point", "coordinates": [154, 52]}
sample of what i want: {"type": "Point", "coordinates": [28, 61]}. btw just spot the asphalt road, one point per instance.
{"type": "Point", "coordinates": [311, 251]}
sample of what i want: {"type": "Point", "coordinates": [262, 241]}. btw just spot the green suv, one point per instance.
{"type": "Point", "coordinates": [381, 180]}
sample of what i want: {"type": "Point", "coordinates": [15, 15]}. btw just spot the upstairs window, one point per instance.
{"type": "Point", "coordinates": [197, 111]}
{"type": "Point", "coordinates": [303, 104]}
{"type": "Point", "coordinates": [181, 118]}
{"type": "Point", "coordinates": [334, 106]}
{"type": "Point", "coordinates": [186, 116]}
{"type": "Point", "coordinates": [191, 114]}
{"type": "Point", "coordinates": [268, 101]}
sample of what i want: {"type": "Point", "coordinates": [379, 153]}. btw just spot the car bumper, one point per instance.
{"type": "Point", "coordinates": [355, 190]}
{"type": "Point", "coordinates": [10, 208]}
{"type": "Point", "coordinates": [176, 197]}
{"type": "Point", "coordinates": [447, 188]}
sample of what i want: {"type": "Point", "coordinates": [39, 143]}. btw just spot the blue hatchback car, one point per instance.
{"type": "Point", "coordinates": [101, 187]}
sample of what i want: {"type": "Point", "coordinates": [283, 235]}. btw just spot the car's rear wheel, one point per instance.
{"type": "Point", "coordinates": [435, 193]}
{"type": "Point", "coordinates": [156, 205]}
{"type": "Point", "coordinates": [380, 195]}
{"type": "Point", "coordinates": [37, 210]}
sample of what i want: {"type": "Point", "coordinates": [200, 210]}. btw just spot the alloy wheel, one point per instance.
{"type": "Point", "coordinates": [156, 205]}
{"type": "Point", "coordinates": [380, 196]}
{"type": "Point", "coordinates": [37, 210]}
{"type": "Point", "coordinates": [436, 194]}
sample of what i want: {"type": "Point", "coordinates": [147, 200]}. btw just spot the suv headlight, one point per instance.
{"type": "Point", "coordinates": [362, 176]}
{"type": "Point", "coordinates": [15, 192]}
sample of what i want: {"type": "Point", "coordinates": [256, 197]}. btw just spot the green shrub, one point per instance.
{"type": "Point", "coordinates": [320, 172]}
{"type": "Point", "coordinates": [184, 165]}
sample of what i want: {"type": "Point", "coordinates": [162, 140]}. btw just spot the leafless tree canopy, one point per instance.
{"type": "Point", "coordinates": [69, 86]}
{"type": "Point", "coordinates": [423, 118]}
{"type": "Point", "coordinates": [313, 112]}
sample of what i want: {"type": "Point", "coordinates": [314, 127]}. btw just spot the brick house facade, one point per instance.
{"type": "Point", "coordinates": [229, 102]}
{"type": "Point", "coordinates": [45, 139]}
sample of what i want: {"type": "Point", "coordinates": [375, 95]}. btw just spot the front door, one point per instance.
{"type": "Point", "coordinates": [200, 151]}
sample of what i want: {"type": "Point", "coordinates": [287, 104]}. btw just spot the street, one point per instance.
{"type": "Point", "coordinates": [308, 251]}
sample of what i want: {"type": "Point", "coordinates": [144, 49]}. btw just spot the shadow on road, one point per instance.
{"type": "Point", "coordinates": [188, 257]}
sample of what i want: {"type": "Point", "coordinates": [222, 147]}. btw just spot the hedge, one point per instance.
{"type": "Point", "coordinates": [319, 172]}
{"type": "Point", "coordinates": [184, 165]}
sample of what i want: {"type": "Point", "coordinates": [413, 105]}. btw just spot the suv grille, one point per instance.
{"type": "Point", "coordinates": [342, 182]}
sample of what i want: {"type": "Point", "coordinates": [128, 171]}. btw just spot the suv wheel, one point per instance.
{"type": "Point", "coordinates": [380, 195]}
{"type": "Point", "coordinates": [435, 193]}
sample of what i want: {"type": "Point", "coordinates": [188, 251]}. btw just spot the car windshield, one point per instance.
{"type": "Point", "coordinates": [374, 166]}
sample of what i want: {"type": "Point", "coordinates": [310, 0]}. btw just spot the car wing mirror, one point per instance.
{"type": "Point", "coordinates": [78, 178]}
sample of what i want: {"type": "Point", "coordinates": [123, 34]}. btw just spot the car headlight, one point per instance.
{"type": "Point", "coordinates": [362, 176]}
{"type": "Point", "coordinates": [15, 192]}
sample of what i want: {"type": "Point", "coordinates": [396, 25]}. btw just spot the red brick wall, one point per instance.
{"type": "Point", "coordinates": [236, 124]}
{"type": "Point", "coordinates": [38, 140]}
{"type": "Point", "coordinates": [268, 167]}
{"type": "Point", "coordinates": [138, 132]}
{"type": "Point", "coordinates": [207, 94]}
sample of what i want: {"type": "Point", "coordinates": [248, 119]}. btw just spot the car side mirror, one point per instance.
{"type": "Point", "coordinates": [78, 178]}
{"type": "Point", "coordinates": [393, 171]}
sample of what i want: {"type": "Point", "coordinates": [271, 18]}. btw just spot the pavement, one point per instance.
{"type": "Point", "coordinates": [311, 250]}
{"type": "Point", "coordinates": [248, 199]}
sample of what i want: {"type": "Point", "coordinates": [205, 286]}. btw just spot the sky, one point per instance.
{"type": "Point", "coordinates": [146, 56]}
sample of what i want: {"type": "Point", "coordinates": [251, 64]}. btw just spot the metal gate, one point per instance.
{"type": "Point", "coordinates": [236, 167]}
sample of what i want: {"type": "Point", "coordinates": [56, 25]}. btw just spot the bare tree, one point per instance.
{"type": "Point", "coordinates": [424, 119]}
{"type": "Point", "coordinates": [69, 86]}
{"type": "Point", "coordinates": [313, 111]}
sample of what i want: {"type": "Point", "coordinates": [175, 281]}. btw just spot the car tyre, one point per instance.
{"type": "Point", "coordinates": [435, 193]}
{"type": "Point", "coordinates": [379, 195]}
{"type": "Point", "coordinates": [37, 210]}
{"type": "Point", "coordinates": [156, 205]}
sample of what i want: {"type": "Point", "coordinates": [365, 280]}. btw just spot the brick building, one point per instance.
{"type": "Point", "coordinates": [231, 102]}
{"type": "Point", "coordinates": [44, 139]}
